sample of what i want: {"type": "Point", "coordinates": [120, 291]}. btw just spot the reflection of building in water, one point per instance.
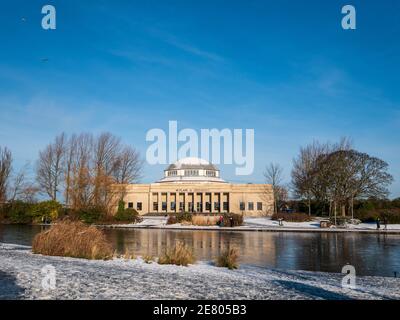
{"type": "Point", "coordinates": [254, 247]}
{"type": "Point", "coordinates": [195, 185]}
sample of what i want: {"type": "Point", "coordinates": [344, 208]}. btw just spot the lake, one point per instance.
{"type": "Point", "coordinates": [370, 254]}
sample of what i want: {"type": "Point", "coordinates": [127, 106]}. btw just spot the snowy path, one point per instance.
{"type": "Point", "coordinates": [261, 224]}
{"type": "Point", "coordinates": [20, 278]}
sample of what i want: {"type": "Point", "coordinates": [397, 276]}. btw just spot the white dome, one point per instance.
{"type": "Point", "coordinates": [191, 161]}
{"type": "Point", "coordinates": [191, 169]}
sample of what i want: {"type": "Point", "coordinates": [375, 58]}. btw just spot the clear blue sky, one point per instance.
{"type": "Point", "coordinates": [285, 68]}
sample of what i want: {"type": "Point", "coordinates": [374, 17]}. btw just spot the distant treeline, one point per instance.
{"type": "Point", "coordinates": [367, 210]}
{"type": "Point", "coordinates": [21, 212]}
{"type": "Point", "coordinates": [82, 170]}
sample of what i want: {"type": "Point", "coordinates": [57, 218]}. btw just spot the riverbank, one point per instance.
{"type": "Point", "coordinates": [262, 224]}
{"type": "Point", "coordinates": [21, 277]}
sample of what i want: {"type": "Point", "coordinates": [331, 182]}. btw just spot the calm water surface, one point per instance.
{"type": "Point", "coordinates": [370, 254]}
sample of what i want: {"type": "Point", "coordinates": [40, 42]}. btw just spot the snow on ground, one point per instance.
{"type": "Point", "coordinates": [21, 277]}
{"type": "Point", "coordinates": [267, 222]}
{"type": "Point", "coordinates": [259, 223]}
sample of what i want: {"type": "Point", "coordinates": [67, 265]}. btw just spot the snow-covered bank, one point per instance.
{"type": "Point", "coordinates": [263, 224]}
{"type": "Point", "coordinates": [21, 277]}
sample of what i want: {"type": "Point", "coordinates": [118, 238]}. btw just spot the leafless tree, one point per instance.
{"type": "Point", "coordinates": [81, 178]}
{"type": "Point", "coordinates": [127, 169]}
{"type": "Point", "coordinates": [5, 172]}
{"type": "Point", "coordinates": [49, 171]}
{"type": "Point", "coordinates": [274, 176]}
{"type": "Point", "coordinates": [106, 150]}
{"type": "Point", "coordinates": [70, 153]}
{"type": "Point", "coordinates": [89, 170]}
{"type": "Point", "coordinates": [350, 174]}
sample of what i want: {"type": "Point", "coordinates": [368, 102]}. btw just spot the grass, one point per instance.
{"type": "Point", "coordinates": [148, 259]}
{"type": "Point", "coordinates": [73, 239]}
{"type": "Point", "coordinates": [180, 255]}
{"type": "Point", "coordinates": [199, 220]}
{"type": "Point", "coordinates": [228, 259]}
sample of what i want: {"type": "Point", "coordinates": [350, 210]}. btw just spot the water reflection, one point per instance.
{"type": "Point", "coordinates": [371, 254]}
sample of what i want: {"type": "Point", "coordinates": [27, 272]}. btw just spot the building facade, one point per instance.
{"type": "Point", "coordinates": [194, 185]}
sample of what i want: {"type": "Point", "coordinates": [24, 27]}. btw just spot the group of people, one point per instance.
{"type": "Point", "coordinates": [378, 223]}
{"type": "Point", "coordinates": [221, 222]}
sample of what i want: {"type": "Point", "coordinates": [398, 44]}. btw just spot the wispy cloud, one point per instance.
{"type": "Point", "coordinates": [186, 47]}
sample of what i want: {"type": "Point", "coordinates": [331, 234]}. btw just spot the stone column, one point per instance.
{"type": "Point", "coordinates": [168, 202]}
{"type": "Point", "coordinates": [221, 202]}
{"type": "Point", "coordinates": [150, 203]}
{"type": "Point", "coordinates": [185, 203]}
{"type": "Point", "coordinates": [159, 202]}
{"type": "Point", "coordinates": [203, 202]}
{"type": "Point", "coordinates": [212, 201]}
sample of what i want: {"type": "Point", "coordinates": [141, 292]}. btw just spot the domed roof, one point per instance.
{"type": "Point", "coordinates": [192, 163]}
{"type": "Point", "coordinates": [191, 169]}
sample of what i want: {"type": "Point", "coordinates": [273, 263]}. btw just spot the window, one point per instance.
{"type": "Point", "coordinates": [210, 173]}
{"type": "Point", "coordinates": [251, 206]}
{"type": "Point", "coordinates": [242, 208]}
{"type": "Point", "coordinates": [173, 206]}
{"type": "Point", "coordinates": [164, 206]}
{"type": "Point", "coordinates": [226, 206]}
{"type": "Point", "coordinates": [155, 206]}
{"type": "Point", "coordinates": [191, 173]}
{"type": "Point", "coordinates": [130, 205]}
{"type": "Point", "coordinates": [191, 207]}
{"type": "Point", "coordinates": [259, 206]}
{"type": "Point", "coordinates": [199, 207]}
{"type": "Point", "coordinates": [216, 206]}
{"type": "Point", "coordinates": [208, 206]}
{"type": "Point", "coordinates": [139, 206]}
{"type": "Point", "coordinates": [172, 173]}
{"type": "Point", "coordinates": [181, 206]}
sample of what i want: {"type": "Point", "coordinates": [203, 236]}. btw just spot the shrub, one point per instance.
{"type": "Point", "coordinates": [180, 217]}
{"type": "Point", "coordinates": [19, 212]}
{"type": "Point", "coordinates": [228, 259]}
{"type": "Point", "coordinates": [127, 215]}
{"type": "Point", "coordinates": [91, 214]}
{"type": "Point", "coordinates": [180, 255]}
{"type": "Point", "coordinates": [237, 219]}
{"type": "Point", "coordinates": [172, 220]}
{"type": "Point", "coordinates": [291, 217]}
{"type": "Point", "coordinates": [202, 220]}
{"type": "Point", "coordinates": [392, 215]}
{"type": "Point", "coordinates": [148, 259]}
{"type": "Point", "coordinates": [45, 211]}
{"type": "Point", "coordinates": [73, 239]}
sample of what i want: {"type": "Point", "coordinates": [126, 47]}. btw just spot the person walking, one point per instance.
{"type": "Point", "coordinates": [231, 220]}
{"type": "Point", "coordinates": [378, 223]}
{"type": "Point", "coordinates": [385, 222]}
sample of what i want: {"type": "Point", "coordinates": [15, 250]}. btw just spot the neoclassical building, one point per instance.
{"type": "Point", "coordinates": [195, 185]}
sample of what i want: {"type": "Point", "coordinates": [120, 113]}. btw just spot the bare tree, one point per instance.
{"type": "Point", "coordinates": [81, 179]}
{"type": "Point", "coordinates": [5, 172]}
{"type": "Point", "coordinates": [49, 167]}
{"type": "Point", "coordinates": [305, 173]}
{"type": "Point", "coordinates": [106, 150]}
{"type": "Point", "coordinates": [350, 174]}
{"type": "Point", "coordinates": [127, 169]}
{"type": "Point", "coordinates": [70, 153]}
{"type": "Point", "coordinates": [274, 176]}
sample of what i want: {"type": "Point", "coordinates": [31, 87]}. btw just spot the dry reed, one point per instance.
{"type": "Point", "coordinates": [73, 239]}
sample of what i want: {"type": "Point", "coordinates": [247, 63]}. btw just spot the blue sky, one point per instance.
{"type": "Point", "coordinates": [286, 69]}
